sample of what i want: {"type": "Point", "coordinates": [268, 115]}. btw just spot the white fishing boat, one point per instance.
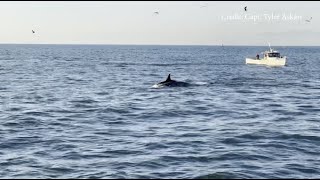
{"type": "Point", "coordinates": [270, 58]}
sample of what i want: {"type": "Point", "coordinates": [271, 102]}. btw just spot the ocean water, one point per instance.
{"type": "Point", "coordinates": [90, 111]}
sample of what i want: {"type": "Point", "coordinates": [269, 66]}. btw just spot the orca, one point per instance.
{"type": "Point", "coordinates": [171, 83]}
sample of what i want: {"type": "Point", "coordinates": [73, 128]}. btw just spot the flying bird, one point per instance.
{"type": "Point", "coordinates": [309, 19]}
{"type": "Point", "coordinates": [156, 12]}
{"type": "Point", "coordinates": [245, 8]}
{"type": "Point", "coordinates": [33, 32]}
{"type": "Point", "coordinates": [204, 5]}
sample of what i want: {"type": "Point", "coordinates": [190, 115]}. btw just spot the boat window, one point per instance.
{"type": "Point", "coordinates": [274, 54]}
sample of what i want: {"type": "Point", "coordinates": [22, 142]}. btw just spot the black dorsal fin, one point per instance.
{"type": "Point", "coordinates": [168, 78]}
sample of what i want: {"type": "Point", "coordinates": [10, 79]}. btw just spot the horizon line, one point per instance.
{"type": "Point", "coordinates": [101, 44]}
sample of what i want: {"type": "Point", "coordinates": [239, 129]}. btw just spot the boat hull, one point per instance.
{"type": "Point", "coordinates": [268, 62]}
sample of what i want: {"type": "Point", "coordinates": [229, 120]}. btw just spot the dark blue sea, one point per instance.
{"type": "Point", "coordinates": [90, 111]}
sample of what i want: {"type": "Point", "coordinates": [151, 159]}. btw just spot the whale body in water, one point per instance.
{"type": "Point", "coordinates": [171, 83]}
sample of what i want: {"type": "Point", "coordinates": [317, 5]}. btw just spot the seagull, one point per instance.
{"type": "Point", "coordinates": [204, 5]}
{"type": "Point", "coordinates": [33, 31]}
{"type": "Point", "coordinates": [245, 8]}
{"type": "Point", "coordinates": [309, 19]}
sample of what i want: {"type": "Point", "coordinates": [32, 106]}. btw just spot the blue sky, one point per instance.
{"type": "Point", "coordinates": [178, 23]}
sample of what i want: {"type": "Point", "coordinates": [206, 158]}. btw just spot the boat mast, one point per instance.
{"type": "Point", "coordinates": [270, 47]}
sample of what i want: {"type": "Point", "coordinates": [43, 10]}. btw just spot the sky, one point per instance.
{"type": "Point", "coordinates": [178, 22]}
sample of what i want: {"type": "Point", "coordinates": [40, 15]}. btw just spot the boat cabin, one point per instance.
{"type": "Point", "coordinates": [272, 54]}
